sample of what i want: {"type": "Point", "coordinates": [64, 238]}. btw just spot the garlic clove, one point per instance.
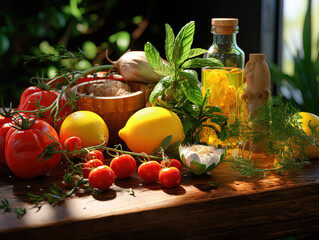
{"type": "Point", "coordinates": [200, 158]}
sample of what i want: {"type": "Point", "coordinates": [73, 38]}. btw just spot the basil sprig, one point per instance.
{"type": "Point", "coordinates": [179, 89]}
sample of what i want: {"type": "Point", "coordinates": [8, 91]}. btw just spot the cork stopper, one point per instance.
{"type": "Point", "coordinates": [225, 26]}
{"type": "Point", "coordinates": [256, 57]}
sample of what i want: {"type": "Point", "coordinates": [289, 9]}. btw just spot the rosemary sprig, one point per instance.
{"type": "Point", "coordinates": [5, 205]}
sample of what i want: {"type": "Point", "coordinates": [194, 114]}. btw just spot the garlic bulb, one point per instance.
{"type": "Point", "coordinates": [133, 66]}
{"type": "Point", "coordinates": [201, 158]}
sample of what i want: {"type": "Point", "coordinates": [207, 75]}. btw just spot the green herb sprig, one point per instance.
{"type": "Point", "coordinates": [5, 205]}
{"type": "Point", "coordinates": [179, 89]}
{"type": "Point", "coordinates": [277, 124]}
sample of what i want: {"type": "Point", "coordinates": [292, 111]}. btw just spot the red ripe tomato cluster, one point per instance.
{"type": "Point", "coordinates": [168, 172]}
{"type": "Point", "coordinates": [100, 176]}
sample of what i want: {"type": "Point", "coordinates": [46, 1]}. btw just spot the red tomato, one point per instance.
{"type": "Point", "coordinates": [101, 177]}
{"type": "Point", "coordinates": [72, 144]}
{"type": "Point", "coordinates": [90, 165]}
{"type": "Point", "coordinates": [23, 149]}
{"type": "Point", "coordinates": [28, 91]}
{"type": "Point", "coordinates": [5, 125]}
{"type": "Point", "coordinates": [172, 163]}
{"type": "Point", "coordinates": [149, 171]}
{"type": "Point", "coordinates": [123, 166]}
{"type": "Point", "coordinates": [44, 98]}
{"type": "Point", "coordinates": [95, 154]}
{"type": "Point", "coordinates": [170, 177]}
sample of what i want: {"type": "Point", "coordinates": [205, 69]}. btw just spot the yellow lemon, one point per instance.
{"type": "Point", "coordinates": [146, 129]}
{"type": "Point", "coordinates": [312, 151]}
{"type": "Point", "coordinates": [87, 125]}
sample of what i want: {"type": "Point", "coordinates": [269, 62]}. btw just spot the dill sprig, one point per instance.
{"type": "Point", "coordinates": [276, 125]}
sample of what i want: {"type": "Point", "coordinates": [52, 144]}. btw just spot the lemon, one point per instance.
{"type": "Point", "coordinates": [312, 151]}
{"type": "Point", "coordinates": [87, 125]}
{"type": "Point", "coordinates": [145, 129]}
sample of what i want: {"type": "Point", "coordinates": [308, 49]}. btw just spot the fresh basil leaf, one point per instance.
{"type": "Point", "coordinates": [178, 94]}
{"type": "Point", "coordinates": [219, 119]}
{"type": "Point", "coordinates": [192, 109]}
{"type": "Point", "coordinates": [163, 69]}
{"type": "Point", "coordinates": [169, 42]}
{"type": "Point", "coordinates": [188, 124]}
{"type": "Point", "coordinates": [196, 52]}
{"type": "Point", "coordinates": [152, 55]}
{"type": "Point", "coordinates": [160, 88]}
{"type": "Point", "coordinates": [163, 145]}
{"type": "Point", "coordinates": [192, 92]}
{"type": "Point", "coordinates": [190, 75]}
{"type": "Point", "coordinates": [193, 73]}
{"type": "Point", "coordinates": [202, 62]}
{"type": "Point", "coordinates": [205, 101]}
{"type": "Point", "coordinates": [211, 109]}
{"type": "Point", "coordinates": [183, 43]}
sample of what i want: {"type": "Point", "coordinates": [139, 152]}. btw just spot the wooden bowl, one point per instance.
{"type": "Point", "coordinates": [114, 110]}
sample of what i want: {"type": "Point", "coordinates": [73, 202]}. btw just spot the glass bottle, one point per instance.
{"type": "Point", "coordinates": [224, 46]}
{"type": "Point", "coordinates": [223, 83]}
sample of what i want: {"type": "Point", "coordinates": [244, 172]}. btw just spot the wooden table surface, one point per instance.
{"type": "Point", "coordinates": [239, 208]}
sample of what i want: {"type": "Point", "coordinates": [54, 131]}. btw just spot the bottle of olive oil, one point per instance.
{"type": "Point", "coordinates": [223, 82]}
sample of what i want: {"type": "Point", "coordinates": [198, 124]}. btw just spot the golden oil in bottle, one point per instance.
{"type": "Point", "coordinates": [223, 84]}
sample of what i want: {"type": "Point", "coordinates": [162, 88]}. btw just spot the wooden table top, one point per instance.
{"type": "Point", "coordinates": [269, 208]}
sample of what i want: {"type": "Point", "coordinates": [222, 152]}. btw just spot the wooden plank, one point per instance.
{"type": "Point", "coordinates": [272, 207]}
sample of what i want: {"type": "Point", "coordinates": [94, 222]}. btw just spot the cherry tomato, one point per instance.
{"type": "Point", "coordinates": [149, 171]}
{"type": "Point", "coordinates": [90, 165]}
{"type": "Point", "coordinates": [123, 166]}
{"type": "Point", "coordinates": [172, 163]}
{"type": "Point", "coordinates": [72, 144]}
{"type": "Point", "coordinates": [23, 149]}
{"type": "Point", "coordinates": [170, 177]}
{"type": "Point", "coordinates": [101, 177]}
{"type": "Point", "coordinates": [95, 154]}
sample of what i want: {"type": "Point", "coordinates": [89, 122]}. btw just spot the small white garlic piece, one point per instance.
{"type": "Point", "coordinates": [201, 158]}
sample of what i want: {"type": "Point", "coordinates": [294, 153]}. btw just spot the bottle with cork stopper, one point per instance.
{"type": "Point", "coordinates": [224, 46]}
{"type": "Point", "coordinates": [223, 83]}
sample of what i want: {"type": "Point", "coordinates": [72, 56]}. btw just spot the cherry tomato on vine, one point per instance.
{"type": "Point", "coordinates": [172, 163]}
{"type": "Point", "coordinates": [89, 166]}
{"type": "Point", "coordinates": [123, 166]}
{"type": "Point", "coordinates": [149, 171]}
{"type": "Point", "coordinates": [95, 154]}
{"type": "Point", "coordinates": [25, 146]}
{"type": "Point", "coordinates": [170, 177]}
{"type": "Point", "coordinates": [72, 144]}
{"type": "Point", "coordinates": [101, 177]}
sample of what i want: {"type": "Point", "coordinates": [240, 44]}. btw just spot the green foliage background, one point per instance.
{"type": "Point", "coordinates": [90, 25]}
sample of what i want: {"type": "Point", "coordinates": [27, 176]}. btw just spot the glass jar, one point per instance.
{"type": "Point", "coordinates": [224, 83]}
